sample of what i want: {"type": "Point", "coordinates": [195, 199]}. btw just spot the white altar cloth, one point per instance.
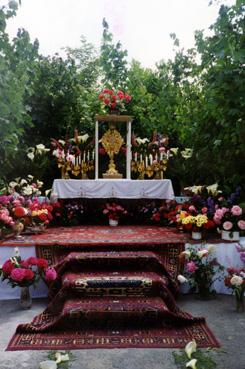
{"type": "Point", "coordinates": [110, 188]}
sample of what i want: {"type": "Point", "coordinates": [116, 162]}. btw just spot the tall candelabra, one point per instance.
{"type": "Point", "coordinates": [149, 166]}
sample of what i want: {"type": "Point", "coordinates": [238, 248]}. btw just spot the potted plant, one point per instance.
{"type": "Point", "coordinates": [114, 101]}
{"type": "Point", "coordinates": [236, 280]}
{"type": "Point", "coordinates": [114, 211]}
{"type": "Point", "coordinates": [230, 221]}
{"type": "Point", "coordinates": [25, 273]}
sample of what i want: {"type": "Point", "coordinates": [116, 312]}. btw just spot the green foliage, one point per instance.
{"type": "Point", "coordinates": [204, 361]}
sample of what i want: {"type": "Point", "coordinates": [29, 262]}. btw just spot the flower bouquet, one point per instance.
{"type": "Point", "coordinates": [230, 221]}
{"type": "Point", "coordinates": [114, 211]}
{"type": "Point", "coordinates": [25, 273]}
{"type": "Point", "coordinates": [196, 222]}
{"type": "Point", "coordinates": [236, 280]}
{"type": "Point", "coordinates": [201, 269]}
{"type": "Point", "coordinates": [114, 101]}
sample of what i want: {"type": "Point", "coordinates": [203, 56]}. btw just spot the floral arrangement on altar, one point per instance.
{"type": "Point", "coordinates": [114, 211]}
{"type": "Point", "coordinates": [236, 281]}
{"type": "Point", "coordinates": [24, 273]}
{"type": "Point", "coordinates": [114, 100]}
{"type": "Point", "coordinates": [201, 269]}
{"type": "Point", "coordinates": [24, 187]}
{"type": "Point", "coordinates": [230, 218]}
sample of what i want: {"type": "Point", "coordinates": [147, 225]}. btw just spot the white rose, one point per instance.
{"type": "Point", "coordinates": [236, 280]}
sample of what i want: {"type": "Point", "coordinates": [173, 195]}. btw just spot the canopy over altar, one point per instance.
{"type": "Point", "coordinates": [113, 188]}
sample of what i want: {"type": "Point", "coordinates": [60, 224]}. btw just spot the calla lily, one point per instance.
{"type": "Point", "coordinates": [16, 251]}
{"type": "Point", "coordinates": [174, 150]}
{"type": "Point", "coordinates": [48, 364]}
{"type": "Point", "coordinates": [192, 364]}
{"type": "Point", "coordinates": [181, 279]}
{"type": "Point", "coordinates": [202, 253]}
{"type": "Point", "coordinates": [62, 142]}
{"type": "Point", "coordinates": [190, 348]}
{"type": "Point", "coordinates": [61, 358]}
{"type": "Point", "coordinates": [186, 253]}
{"type": "Point", "coordinates": [83, 138]}
{"type": "Point", "coordinates": [210, 248]}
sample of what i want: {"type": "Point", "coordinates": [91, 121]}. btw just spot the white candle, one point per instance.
{"type": "Point", "coordinates": [156, 157]}
{"type": "Point", "coordinates": [79, 159]}
{"type": "Point", "coordinates": [84, 156]}
{"type": "Point", "coordinates": [167, 154]}
{"type": "Point", "coordinates": [141, 158]}
{"type": "Point", "coordinates": [88, 155]}
{"type": "Point", "coordinates": [135, 156]}
{"type": "Point", "coordinates": [146, 161]}
{"type": "Point", "coordinates": [151, 159]}
{"type": "Point", "coordinates": [73, 160]}
{"type": "Point", "coordinates": [93, 155]}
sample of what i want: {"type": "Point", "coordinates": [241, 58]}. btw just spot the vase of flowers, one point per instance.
{"type": "Point", "coordinates": [201, 269]}
{"type": "Point", "coordinates": [114, 102]}
{"type": "Point", "coordinates": [236, 281]}
{"type": "Point", "coordinates": [25, 273]}
{"type": "Point", "coordinates": [114, 212]}
{"type": "Point", "coordinates": [230, 221]}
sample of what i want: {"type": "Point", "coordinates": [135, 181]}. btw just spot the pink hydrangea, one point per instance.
{"type": "Point", "coordinates": [50, 274]}
{"type": "Point", "coordinates": [236, 210]}
{"type": "Point", "coordinates": [227, 226]}
{"type": "Point", "coordinates": [241, 224]}
{"type": "Point", "coordinates": [18, 274]}
{"type": "Point", "coordinates": [191, 267]}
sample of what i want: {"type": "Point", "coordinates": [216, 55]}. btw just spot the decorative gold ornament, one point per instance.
{"type": "Point", "coordinates": [112, 142]}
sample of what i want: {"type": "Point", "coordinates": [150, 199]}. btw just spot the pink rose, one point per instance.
{"type": "Point", "coordinates": [227, 225]}
{"type": "Point", "coordinates": [50, 274]}
{"type": "Point", "coordinates": [236, 210]}
{"type": "Point", "coordinates": [204, 210]}
{"type": "Point", "coordinates": [241, 224]}
{"type": "Point", "coordinates": [216, 220]}
{"type": "Point", "coordinates": [18, 274]}
{"type": "Point", "coordinates": [192, 208]}
{"type": "Point", "coordinates": [191, 267]}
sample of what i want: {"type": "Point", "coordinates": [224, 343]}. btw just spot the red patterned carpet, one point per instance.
{"type": "Point", "coordinates": [99, 235]}
{"type": "Point", "coordinates": [116, 288]}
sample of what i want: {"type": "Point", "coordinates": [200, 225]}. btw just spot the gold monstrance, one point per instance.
{"type": "Point", "coordinates": [112, 142]}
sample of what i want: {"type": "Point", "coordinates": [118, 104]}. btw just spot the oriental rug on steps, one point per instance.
{"type": "Point", "coordinates": [114, 297]}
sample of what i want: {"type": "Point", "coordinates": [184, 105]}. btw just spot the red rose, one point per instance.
{"type": "Point", "coordinates": [114, 98]}
{"type": "Point", "coordinates": [24, 264]}
{"type": "Point", "coordinates": [32, 260]}
{"type": "Point", "coordinates": [107, 91]}
{"type": "Point", "coordinates": [42, 217]}
{"type": "Point", "coordinates": [29, 274]}
{"type": "Point", "coordinates": [101, 96]}
{"type": "Point", "coordinates": [120, 94]}
{"type": "Point", "coordinates": [128, 98]}
{"type": "Point", "coordinates": [20, 212]}
{"type": "Point", "coordinates": [42, 263]}
{"type": "Point", "coordinates": [107, 101]}
{"type": "Point", "coordinates": [113, 105]}
{"type": "Point", "coordinates": [7, 267]}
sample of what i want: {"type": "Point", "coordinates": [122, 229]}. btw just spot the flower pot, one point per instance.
{"type": "Point", "coordinates": [113, 222]}
{"type": "Point", "coordinates": [196, 235]}
{"type": "Point", "coordinates": [230, 236]}
{"type": "Point", "coordinates": [25, 298]}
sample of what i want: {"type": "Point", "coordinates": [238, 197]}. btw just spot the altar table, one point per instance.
{"type": "Point", "coordinates": [113, 188]}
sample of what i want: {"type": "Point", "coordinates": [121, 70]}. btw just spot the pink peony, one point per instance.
{"type": "Point", "coordinates": [29, 274]}
{"type": "Point", "coordinates": [241, 224]}
{"type": "Point", "coordinates": [18, 274]}
{"type": "Point", "coordinates": [227, 225]}
{"type": "Point", "coordinates": [236, 210]}
{"type": "Point", "coordinates": [191, 267]}
{"type": "Point", "coordinates": [32, 260]}
{"type": "Point", "coordinates": [50, 274]}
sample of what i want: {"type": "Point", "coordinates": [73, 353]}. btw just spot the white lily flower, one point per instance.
{"type": "Point", "coordinates": [83, 138]}
{"type": "Point", "coordinates": [13, 184]}
{"type": "Point", "coordinates": [141, 141]}
{"type": "Point", "coordinates": [210, 248]}
{"type": "Point", "coordinates": [31, 155]}
{"type": "Point", "coordinates": [28, 190]}
{"type": "Point", "coordinates": [23, 182]}
{"type": "Point", "coordinates": [16, 251]}
{"type": "Point", "coordinates": [186, 253]}
{"type": "Point", "coordinates": [39, 184]}
{"type": "Point", "coordinates": [192, 364]}
{"type": "Point", "coordinates": [48, 364]}
{"type": "Point", "coordinates": [30, 177]}
{"type": "Point", "coordinates": [47, 192]}
{"type": "Point", "coordinates": [190, 348]}
{"type": "Point", "coordinates": [61, 358]}
{"type": "Point", "coordinates": [182, 279]}
{"type": "Point", "coordinates": [62, 142]}
{"type": "Point", "coordinates": [187, 153]}
{"type": "Point", "coordinates": [174, 150]}
{"type": "Point", "coordinates": [213, 189]}
{"type": "Point", "coordinates": [57, 358]}
{"type": "Point", "coordinates": [202, 253]}
{"type": "Point", "coordinates": [41, 149]}
{"type": "Point", "coordinates": [65, 358]}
